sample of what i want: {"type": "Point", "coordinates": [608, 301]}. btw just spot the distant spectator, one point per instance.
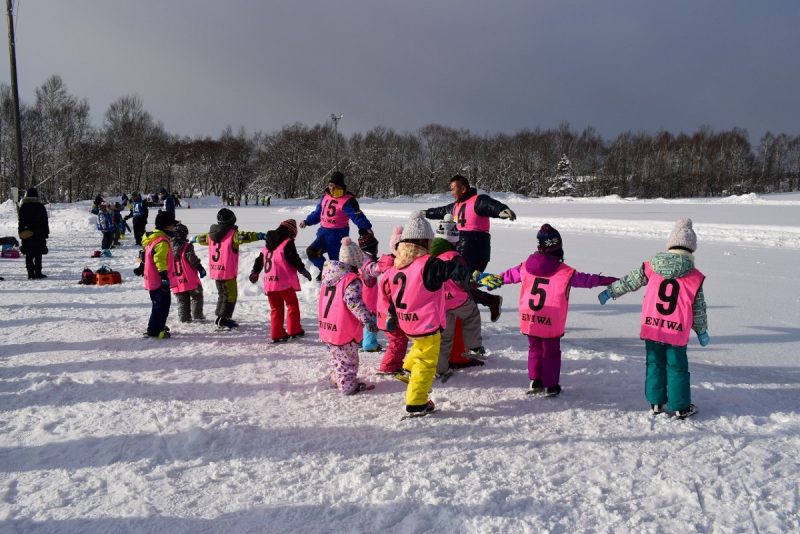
{"type": "Point", "coordinates": [33, 232]}
{"type": "Point", "coordinates": [168, 201]}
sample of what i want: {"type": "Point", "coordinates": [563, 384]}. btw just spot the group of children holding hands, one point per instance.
{"type": "Point", "coordinates": [419, 292]}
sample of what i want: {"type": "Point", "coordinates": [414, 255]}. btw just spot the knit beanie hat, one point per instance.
{"type": "Point", "coordinates": [291, 227]}
{"type": "Point", "coordinates": [181, 231]}
{"type": "Point", "coordinates": [447, 229]}
{"type": "Point", "coordinates": [164, 219]}
{"type": "Point", "coordinates": [397, 232]}
{"type": "Point", "coordinates": [350, 254]}
{"type": "Point", "coordinates": [417, 227]}
{"type": "Point", "coordinates": [337, 178]}
{"type": "Point", "coordinates": [682, 236]}
{"type": "Point", "coordinates": [226, 217]}
{"type": "Point", "coordinates": [550, 241]}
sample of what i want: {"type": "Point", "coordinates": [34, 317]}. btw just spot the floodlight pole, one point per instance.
{"type": "Point", "coordinates": [15, 97]}
{"type": "Point", "coordinates": [335, 118]}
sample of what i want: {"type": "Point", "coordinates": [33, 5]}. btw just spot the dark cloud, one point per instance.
{"type": "Point", "coordinates": [486, 66]}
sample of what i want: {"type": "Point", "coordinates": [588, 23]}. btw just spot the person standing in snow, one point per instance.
{"type": "Point", "coordinates": [544, 304]}
{"type": "Point", "coordinates": [167, 201]}
{"type": "Point", "coordinates": [341, 315]}
{"type": "Point", "coordinates": [418, 303]}
{"type": "Point", "coordinates": [188, 271]}
{"type": "Point", "coordinates": [673, 305]}
{"type": "Point", "coordinates": [105, 223]}
{"type": "Point", "coordinates": [333, 213]}
{"type": "Point", "coordinates": [159, 273]}
{"type": "Point", "coordinates": [281, 264]}
{"type": "Point", "coordinates": [397, 340]}
{"type": "Point", "coordinates": [369, 273]}
{"type": "Point", "coordinates": [33, 231]}
{"type": "Point", "coordinates": [223, 240]}
{"type": "Point", "coordinates": [458, 303]}
{"type": "Point", "coordinates": [139, 213]}
{"type": "Point", "coordinates": [473, 213]}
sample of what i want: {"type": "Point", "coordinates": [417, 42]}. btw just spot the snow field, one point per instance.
{"type": "Point", "coordinates": [105, 431]}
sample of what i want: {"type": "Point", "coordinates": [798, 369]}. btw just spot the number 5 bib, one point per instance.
{"type": "Point", "coordinates": [544, 302]}
{"type": "Point", "coordinates": [667, 314]}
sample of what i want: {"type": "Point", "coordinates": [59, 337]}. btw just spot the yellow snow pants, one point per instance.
{"type": "Point", "coordinates": [421, 361]}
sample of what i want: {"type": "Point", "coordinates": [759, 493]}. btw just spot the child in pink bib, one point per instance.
{"type": "Point", "coordinates": [543, 306]}
{"type": "Point", "coordinates": [281, 264]}
{"type": "Point", "coordinates": [673, 305]}
{"type": "Point", "coordinates": [341, 315]}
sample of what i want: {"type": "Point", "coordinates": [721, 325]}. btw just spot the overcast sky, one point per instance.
{"type": "Point", "coordinates": [489, 65]}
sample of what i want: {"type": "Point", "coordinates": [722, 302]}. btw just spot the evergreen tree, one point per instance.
{"type": "Point", "coordinates": [563, 182]}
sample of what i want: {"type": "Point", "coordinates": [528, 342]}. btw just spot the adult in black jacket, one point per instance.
{"type": "Point", "coordinates": [33, 232]}
{"type": "Point", "coordinates": [472, 213]}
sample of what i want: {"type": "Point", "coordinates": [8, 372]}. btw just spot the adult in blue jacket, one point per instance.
{"type": "Point", "coordinates": [333, 213]}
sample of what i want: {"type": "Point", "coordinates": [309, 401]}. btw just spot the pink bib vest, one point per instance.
{"type": "Point", "coordinates": [667, 314]}
{"type": "Point", "coordinates": [369, 293]}
{"type": "Point", "coordinates": [278, 274]}
{"type": "Point", "coordinates": [544, 302]}
{"type": "Point", "coordinates": [152, 280]}
{"type": "Point", "coordinates": [466, 218]}
{"type": "Point", "coordinates": [223, 262]}
{"type": "Point", "coordinates": [332, 215]}
{"type": "Point", "coordinates": [186, 277]}
{"type": "Point", "coordinates": [419, 312]}
{"type": "Point", "coordinates": [454, 295]}
{"type": "Point", "coordinates": [337, 324]}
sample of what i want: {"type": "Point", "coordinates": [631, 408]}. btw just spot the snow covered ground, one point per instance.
{"type": "Point", "coordinates": [102, 430]}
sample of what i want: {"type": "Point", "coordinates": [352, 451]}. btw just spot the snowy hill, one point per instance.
{"type": "Point", "coordinates": [105, 431]}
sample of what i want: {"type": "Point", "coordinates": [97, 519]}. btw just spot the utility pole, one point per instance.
{"type": "Point", "coordinates": [335, 118]}
{"type": "Point", "coordinates": [15, 97]}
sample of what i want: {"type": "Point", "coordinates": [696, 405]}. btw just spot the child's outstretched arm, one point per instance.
{"type": "Point", "coordinates": [587, 280]}
{"type": "Point", "coordinates": [630, 282]}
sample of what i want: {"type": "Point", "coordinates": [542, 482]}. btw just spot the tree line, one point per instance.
{"type": "Point", "coordinates": [68, 158]}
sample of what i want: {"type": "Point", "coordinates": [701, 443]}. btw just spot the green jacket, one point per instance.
{"type": "Point", "coordinates": [672, 264]}
{"type": "Point", "coordinates": [218, 232]}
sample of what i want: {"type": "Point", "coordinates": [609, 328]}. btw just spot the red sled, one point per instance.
{"type": "Point", "coordinates": [12, 253]}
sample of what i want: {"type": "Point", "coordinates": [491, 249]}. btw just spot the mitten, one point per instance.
{"type": "Point", "coordinates": [703, 338]}
{"type": "Point", "coordinates": [391, 323]}
{"type": "Point", "coordinates": [261, 236]}
{"type": "Point", "coordinates": [201, 271]}
{"type": "Point", "coordinates": [507, 214]}
{"type": "Point", "coordinates": [489, 280]}
{"type": "Point", "coordinates": [306, 274]}
{"type": "Point", "coordinates": [164, 281]}
{"type": "Point", "coordinates": [139, 271]}
{"type": "Point", "coordinates": [253, 277]}
{"type": "Point", "coordinates": [604, 296]}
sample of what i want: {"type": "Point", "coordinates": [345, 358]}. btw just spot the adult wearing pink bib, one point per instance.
{"type": "Point", "coordinates": [472, 213]}
{"type": "Point", "coordinates": [673, 305]}
{"type": "Point", "coordinates": [333, 213]}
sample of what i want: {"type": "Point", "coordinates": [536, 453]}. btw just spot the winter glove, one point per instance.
{"type": "Point", "coordinates": [365, 231]}
{"type": "Point", "coordinates": [303, 224]}
{"type": "Point", "coordinates": [391, 323]}
{"type": "Point", "coordinates": [201, 271]}
{"type": "Point", "coordinates": [253, 277]}
{"type": "Point", "coordinates": [488, 280]}
{"type": "Point", "coordinates": [261, 236]}
{"type": "Point", "coordinates": [508, 214]}
{"type": "Point", "coordinates": [139, 271]}
{"type": "Point", "coordinates": [604, 296]}
{"type": "Point", "coordinates": [703, 338]}
{"type": "Point", "coordinates": [306, 274]}
{"type": "Point", "coordinates": [164, 281]}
